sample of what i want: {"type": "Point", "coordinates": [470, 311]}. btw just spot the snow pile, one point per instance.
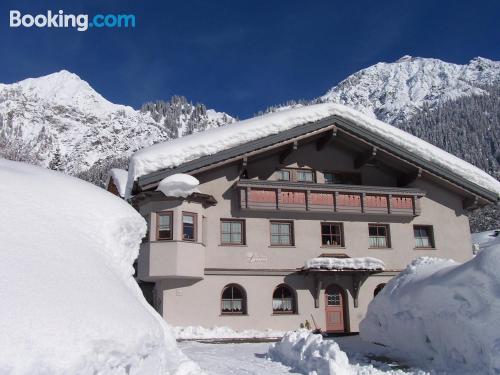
{"type": "Point", "coordinates": [178, 185]}
{"type": "Point", "coordinates": [366, 263]}
{"type": "Point", "coordinates": [70, 303]}
{"type": "Point", "coordinates": [197, 333]}
{"type": "Point", "coordinates": [178, 151]}
{"type": "Point", "coordinates": [310, 354]}
{"type": "Point", "coordinates": [119, 177]}
{"type": "Point", "coordinates": [442, 313]}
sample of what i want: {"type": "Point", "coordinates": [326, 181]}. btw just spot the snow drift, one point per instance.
{"type": "Point", "coordinates": [442, 313]}
{"type": "Point", "coordinates": [310, 354]}
{"type": "Point", "coordinates": [199, 333]}
{"type": "Point", "coordinates": [178, 185]}
{"type": "Point", "coordinates": [69, 302]}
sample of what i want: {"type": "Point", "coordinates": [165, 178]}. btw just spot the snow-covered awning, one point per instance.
{"type": "Point", "coordinates": [345, 264]}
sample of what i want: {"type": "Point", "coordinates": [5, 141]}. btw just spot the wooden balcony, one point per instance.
{"type": "Point", "coordinates": [348, 199]}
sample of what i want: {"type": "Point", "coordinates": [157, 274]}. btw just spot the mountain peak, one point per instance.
{"type": "Point", "coordinates": [393, 92]}
{"type": "Point", "coordinates": [406, 58]}
{"type": "Point", "coordinates": [67, 89]}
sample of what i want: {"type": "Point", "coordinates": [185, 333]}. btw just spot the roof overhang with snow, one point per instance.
{"type": "Point", "coordinates": [331, 124]}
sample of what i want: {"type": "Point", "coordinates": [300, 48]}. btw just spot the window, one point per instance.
{"type": "Point", "coordinates": [304, 175]}
{"type": "Point", "coordinates": [284, 300]}
{"type": "Point", "coordinates": [342, 178]}
{"type": "Point", "coordinates": [284, 175]}
{"type": "Point", "coordinates": [379, 235]}
{"type": "Point", "coordinates": [232, 232]}
{"type": "Point", "coordinates": [378, 289]}
{"type": "Point", "coordinates": [164, 222]}
{"type": "Point", "coordinates": [332, 234]}
{"type": "Point", "coordinates": [424, 236]}
{"type": "Point", "coordinates": [233, 301]}
{"type": "Point", "coordinates": [281, 233]}
{"type": "Point", "coordinates": [189, 226]}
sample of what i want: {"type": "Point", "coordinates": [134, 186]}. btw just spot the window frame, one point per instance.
{"type": "Point", "coordinates": [243, 232]}
{"type": "Point", "coordinates": [388, 242]}
{"type": "Point", "coordinates": [299, 170]}
{"type": "Point", "coordinates": [431, 237]}
{"type": "Point", "coordinates": [244, 306]}
{"type": "Point", "coordinates": [358, 176]}
{"type": "Point", "coordinates": [280, 171]}
{"type": "Point", "coordinates": [293, 174]}
{"type": "Point", "coordinates": [294, 310]}
{"type": "Point", "coordinates": [342, 237]}
{"type": "Point", "coordinates": [194, 215]}
{"type": "Point", "coordinates": [291, 233]}
{"type": "Point", "coordinates": [171, 215]}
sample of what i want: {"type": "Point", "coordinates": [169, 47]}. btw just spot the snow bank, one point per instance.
{"type": "Point", "coordinates": [69, 302]}
{"type": "Point", "coordinates": [310, 354]}
{"type": "Point", "coordinates": [119, 177]}
{"type": "Point", "coordinates": [197, 332]}
{"type": "Point", "coordinates": [181, 150]}
{"type": "Point", "coordinates": [366, 263]}
{"type": "Point", "coordinates": [442, 313]}
{"type": "Point", "coordinates": [178, 185]}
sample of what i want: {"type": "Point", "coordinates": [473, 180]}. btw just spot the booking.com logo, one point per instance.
{"type": "Point", "coordinates": [78, 21]}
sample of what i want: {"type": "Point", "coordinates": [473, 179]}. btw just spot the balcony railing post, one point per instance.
{"type": "Point", "coordinates": [308, 200]}
{"type": "Point", "coordinates": [335, 201]}
{"type": "Point", "coordinates": [389, 203]}
{"type": "Point", "coordinates": [363, 202]}
{"type": "Point", "coordinates": [278, 199]}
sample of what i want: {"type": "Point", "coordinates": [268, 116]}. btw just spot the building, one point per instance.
{"type": "Point", "coordinates": [299, 215]}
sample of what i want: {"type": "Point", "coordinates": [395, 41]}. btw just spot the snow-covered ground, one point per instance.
{"type": "Point", "coordinates": [442, 314]}
{"type": "Point", "coordinates": [251, 358]}
{"type": "Point", "coordinates": [197, 333]}
{"type": "Point", "coordinates": [69, 302]}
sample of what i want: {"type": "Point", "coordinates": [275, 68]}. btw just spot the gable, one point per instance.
{"type": "Point", "coordinates": [412, 155]}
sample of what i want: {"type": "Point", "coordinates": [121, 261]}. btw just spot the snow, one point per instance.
{"type": "Point", "coordinates": [197, 333]}
{"type": "Point", "coordinates": [178, 151]}
{"type": "Point", "coordinates": [393, 92]}
{"type": "Point", "coordinates": [442, 314]}
{"type": "Point", "coordinates": [482, 240]}
{"type": "Point", "coordinates": [119, 177]}
{"type": "Point", "coordinates": [62, 111]}
{"type": "Point", "coordinates": [365, 263]}
{"type": "Point", "coordinates": [250, 358]}
{"type": "Point", "coordinates": [70, 303]}
{"type": "Point", "coordinates": [178, 185]}
{"type": "Point", "coordinates": [310, 354]}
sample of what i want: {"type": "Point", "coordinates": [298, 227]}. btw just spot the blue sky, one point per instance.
{"type": "Point", "coordinates": [242, 56]}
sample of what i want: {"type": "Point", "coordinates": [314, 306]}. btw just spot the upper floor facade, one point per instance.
{"type": "Point", "coordinates": [271, 211]}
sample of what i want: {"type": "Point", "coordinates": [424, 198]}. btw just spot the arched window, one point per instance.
{"type": "Point", "coordinates": [378, 289]}
{"type": "Point", "coordinates": [234, 300]}
{"type": "Point", "coordinates": [284, 300]}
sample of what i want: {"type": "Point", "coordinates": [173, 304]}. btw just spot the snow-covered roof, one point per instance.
{"type": "Point", "coordinates": [365, 263]}
{"type": "Point", "coordinates": [119, 177]}
{"type": "Point", "coordinates": [182, 150]}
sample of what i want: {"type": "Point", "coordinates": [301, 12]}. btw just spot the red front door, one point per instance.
{"type": "Point", "coordinates": [334, 309]}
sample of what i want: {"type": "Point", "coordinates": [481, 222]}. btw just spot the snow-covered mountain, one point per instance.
{"type": "Point", "coordinates": [394, 92]}
{"type": "Point", "coordinates": [60, 115]}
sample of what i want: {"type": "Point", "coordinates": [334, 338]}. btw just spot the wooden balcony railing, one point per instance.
{"type": "Point", "coordinates": [356, 199]}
